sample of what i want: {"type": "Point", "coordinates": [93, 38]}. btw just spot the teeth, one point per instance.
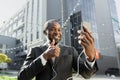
{"type": "Point", "coordinates": [56, 37]}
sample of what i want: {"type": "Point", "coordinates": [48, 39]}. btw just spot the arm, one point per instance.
{"type": "Point", "coordinates": [85, 69]}
{"type": "Point", "coordinates": [34, 65]}
{"type": "Point", "coordinates": [31, 66]}
{"type": "Point", "coordinates": [87, 41]}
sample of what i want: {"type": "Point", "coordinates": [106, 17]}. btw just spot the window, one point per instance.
{"type": "Point", "coordinates": [31, 37]}
{"type": "Point", "coordinates": [1, 46]}
{"type": "Point", "coordinates": [37, 35]}
{"type": "Point", "coordinates": [75, 20]}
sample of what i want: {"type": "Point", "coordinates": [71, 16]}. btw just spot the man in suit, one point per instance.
{"type": "Point", "coordinates": [53, 61]}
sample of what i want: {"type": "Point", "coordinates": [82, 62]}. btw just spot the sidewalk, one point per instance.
{"type": "Point", "coordinates": [12, 73]}
{"type": "Point", "coordinates": [97, 77]}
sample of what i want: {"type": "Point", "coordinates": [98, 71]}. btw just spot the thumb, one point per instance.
{"type": "Point", "coordinates": [53, 42]}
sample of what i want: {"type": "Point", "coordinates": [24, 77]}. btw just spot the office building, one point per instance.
{"type": "Point", "coordinates": [27, 25]}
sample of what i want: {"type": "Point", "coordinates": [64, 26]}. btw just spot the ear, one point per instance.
{"type": "Point", "coordinates": [45, 32]}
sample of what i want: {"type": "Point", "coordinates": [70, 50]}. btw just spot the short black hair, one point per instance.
{"type": "Point", "coordinates": [48, 24]}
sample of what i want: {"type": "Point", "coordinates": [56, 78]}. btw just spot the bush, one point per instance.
{"type": "Point", "coordinates": [4, 58]}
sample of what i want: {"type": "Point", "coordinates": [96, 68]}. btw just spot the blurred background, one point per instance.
{"type": "Point", "coordinates": [23, 26]}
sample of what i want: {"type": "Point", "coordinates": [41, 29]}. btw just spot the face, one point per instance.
{"type": "Point", "coordinates": [54, 32]}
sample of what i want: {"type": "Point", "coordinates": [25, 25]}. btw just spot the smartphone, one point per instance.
{"type": "Point", "coordinates": [87, 25]}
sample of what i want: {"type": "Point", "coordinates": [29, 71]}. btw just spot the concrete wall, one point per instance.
{"type": "Point", "coordinates": [105, 28]}
{"type": "Point", "coordinates": [106, 62]}
{"type": "Point", "coordinates": [106, 36]}
{"type": "Point", "coordinates": [53, 9]}
{"type": "Point", "coordinates": [10, 42]}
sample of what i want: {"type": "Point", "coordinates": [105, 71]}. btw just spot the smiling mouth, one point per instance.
{"type": "Point", "coordinates": [56, 37]}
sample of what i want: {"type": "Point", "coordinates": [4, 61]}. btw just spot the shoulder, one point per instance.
{"type": "Point", "coordinates": [39, 47]}
{"type": "Point", "coordinates": [35, 49]}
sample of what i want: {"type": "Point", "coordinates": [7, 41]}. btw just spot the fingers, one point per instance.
{"type": "Point", "coordinates": [85, 36]}
{"type": "Point", "coordinates": [57, 51]}
{"type": "Point", "coordinates": [53, 52]}
{"type": "Point", "coordinates": [52, 43]}
{"type": "Point", "coordinates": [85, 29]}
{"type": "Point", "coordinates": [88, 31]}
{"type": "Point", "coordinates": [83, 41]}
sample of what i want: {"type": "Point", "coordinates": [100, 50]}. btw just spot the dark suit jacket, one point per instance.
{"type": "Point", "coordinates": [63, 65]}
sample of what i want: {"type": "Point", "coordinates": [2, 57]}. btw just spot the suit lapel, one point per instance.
{"type": "Point", "coordinates": [50, 61]}
{"type": "Point", "coordinates": [56, 61]}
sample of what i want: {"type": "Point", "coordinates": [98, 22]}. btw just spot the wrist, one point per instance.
{"type": "Point", "coordinates": [91, 59]}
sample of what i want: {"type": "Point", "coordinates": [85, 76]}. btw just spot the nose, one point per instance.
{"type": "Point", "coordinates": [56, 32]}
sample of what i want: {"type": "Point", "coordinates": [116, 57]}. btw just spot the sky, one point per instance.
{"type": "Point", "coordinates": [8, 8]}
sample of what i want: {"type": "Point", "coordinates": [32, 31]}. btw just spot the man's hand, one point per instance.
{"type": "Point", "coordinates": [52, 51]}
{"type": "Point", "coordinates": [87, 42]}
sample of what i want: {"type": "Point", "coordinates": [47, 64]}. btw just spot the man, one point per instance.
{"type": "Point", "coordinates": [53, 61]}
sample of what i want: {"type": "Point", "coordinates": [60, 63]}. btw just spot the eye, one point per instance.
{"type": "Point", "coordinates": [52, 29]}
{"type": "Point", "coordinates": [59, 30]}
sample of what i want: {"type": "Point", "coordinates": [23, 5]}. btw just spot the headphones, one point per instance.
{"type": "Point", "coordinates": [45, 32]}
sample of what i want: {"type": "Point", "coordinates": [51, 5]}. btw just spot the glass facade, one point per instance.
{"type": "Point", "coordinates": [27, 25]}
{"type": "Point", "coordinates": [85, 10]}
{"type": "Point", "coordinates": [88, 15]}
{"type": "Point", "coordinates": [115, 24]}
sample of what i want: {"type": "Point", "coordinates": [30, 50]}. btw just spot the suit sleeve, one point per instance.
{"type": "Point", "coordinates": [31, 66]}
{"type": "Point", "coordinates": [85, 69]}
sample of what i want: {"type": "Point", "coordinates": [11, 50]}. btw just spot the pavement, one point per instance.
{"type": "Point", "coordinates": [97, 77]}
{"type": "Point", "coordinates": [11, 73]}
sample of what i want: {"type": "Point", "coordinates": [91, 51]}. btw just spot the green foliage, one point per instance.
{"type": "Point", "coordinates": [8, 60]}
{"type": "Point", "coordinates": [7, 78]}
{"type": "Point", "coordinates": [4, 58]}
